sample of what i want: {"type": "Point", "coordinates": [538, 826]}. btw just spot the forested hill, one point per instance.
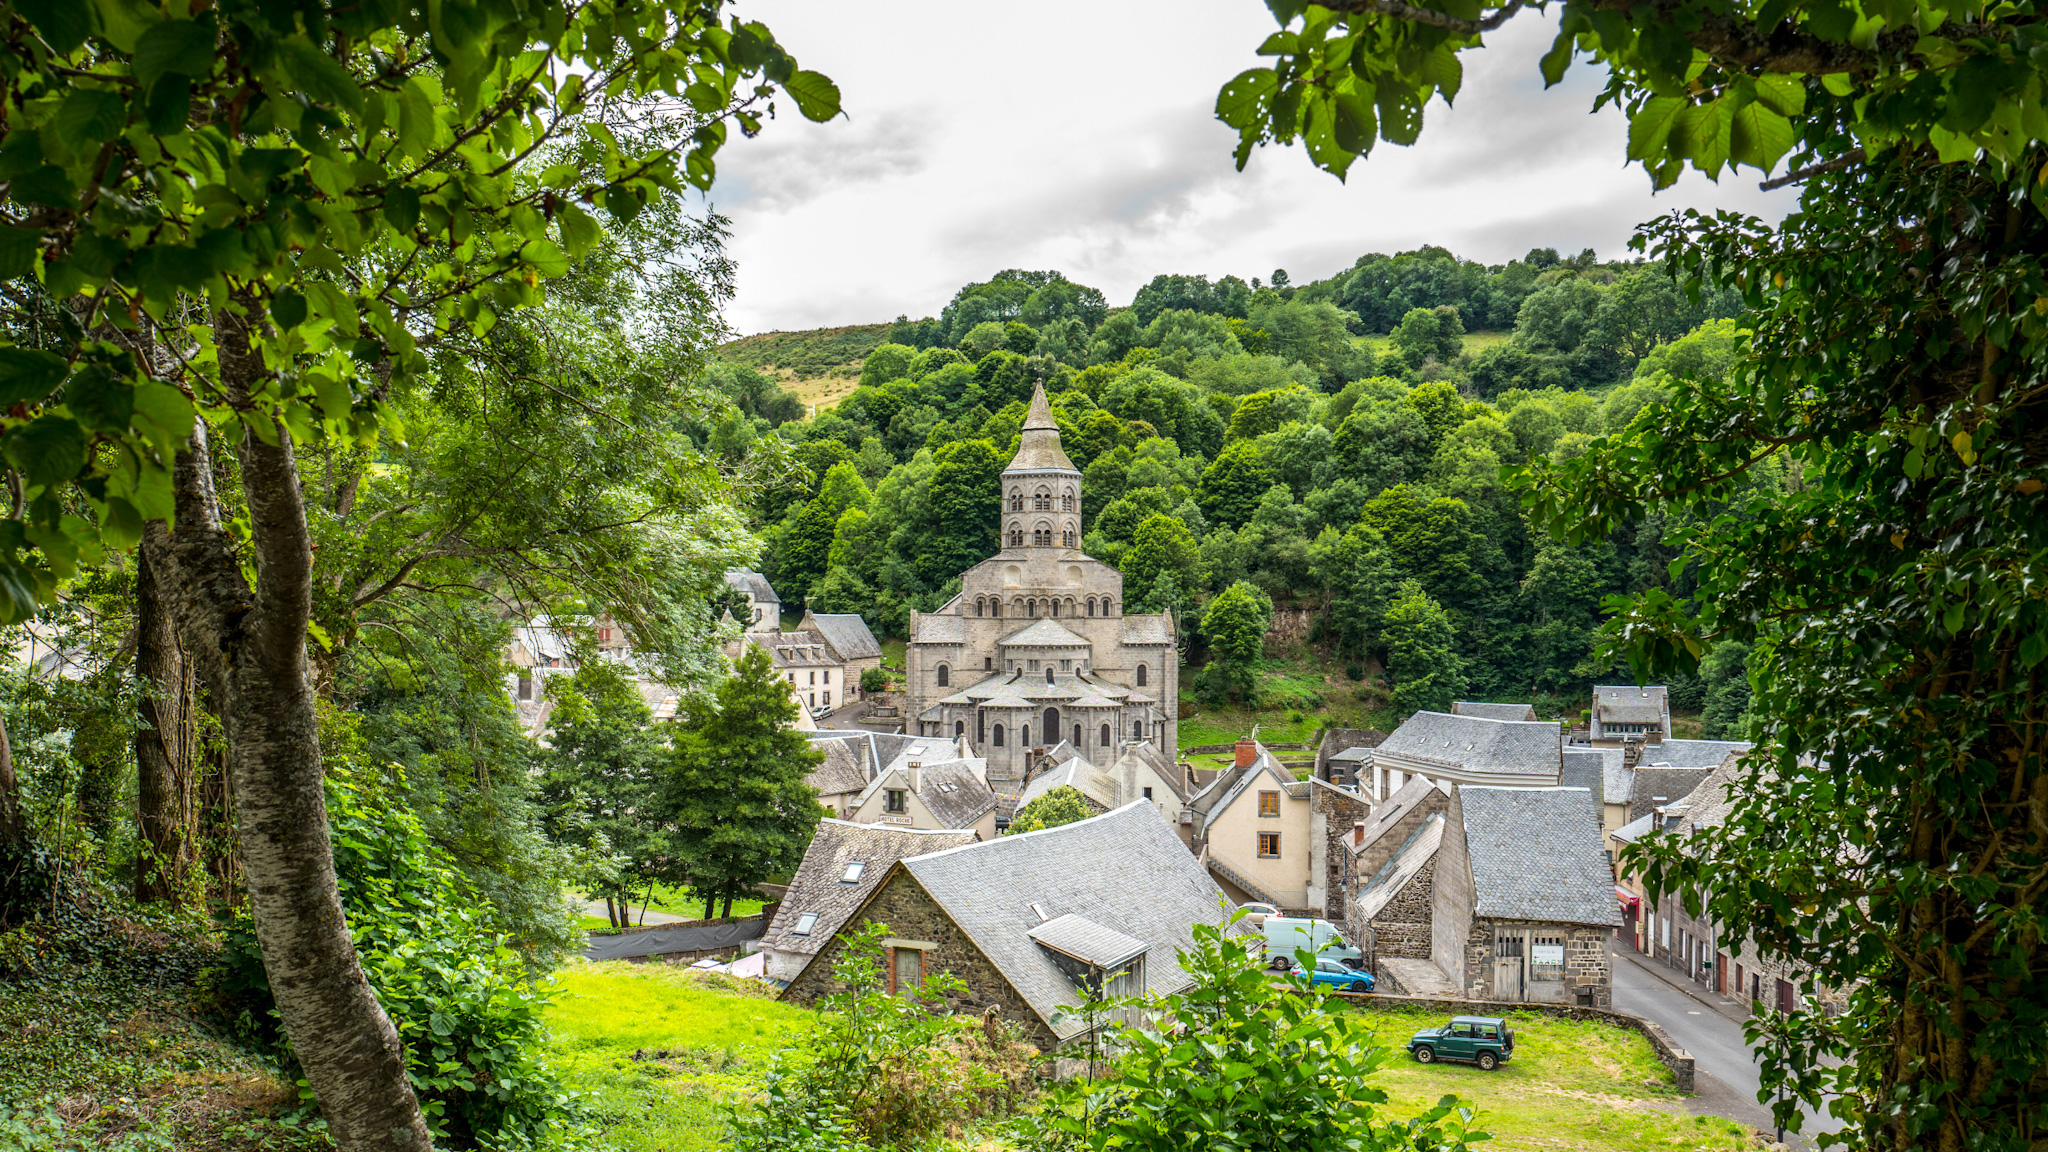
{"type": "Point", "coordinates": [1339, 442]}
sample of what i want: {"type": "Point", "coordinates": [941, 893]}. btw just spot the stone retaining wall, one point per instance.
{"type": "Point", "coordinates": [1673, 1057]}
{"type": "Point", "coordinates": [1219, 749]}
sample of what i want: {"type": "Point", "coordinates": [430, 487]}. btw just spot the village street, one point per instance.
{"type": "Point", "coordinates": [1707, 1025]}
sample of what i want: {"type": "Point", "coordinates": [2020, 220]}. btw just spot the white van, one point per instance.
{"type": "Point", "coordinates": [1285, 934]}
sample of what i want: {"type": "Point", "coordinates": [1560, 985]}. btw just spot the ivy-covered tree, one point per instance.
{"type": "Point", "coordinates": [247, 225]}
{"type": "Point", "coordinates": [1061, 805]}
{"type": "Point", "coordinates": [736, 793]}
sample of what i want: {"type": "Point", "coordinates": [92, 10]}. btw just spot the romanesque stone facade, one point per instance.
{"type": "Point", "coordinates": [1036, 648]}
{"type": "Point", "coordinates": [915, 920]}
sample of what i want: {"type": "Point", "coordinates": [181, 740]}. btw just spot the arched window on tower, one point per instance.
{"type": "Point", "coordinates": [1023, 735]}
{"type": "Point", "coordinates": [1017, 500]}
{"type": "Point", "coordinates": [1137, 730]}
{"type": "Point", "coordinates": [1016, 537]}
{"type": "Point", "coordinates": [1055, 608]}
{"type": "Point", "coordinates": [1105, 736]}
{"type": "Point", "coordinates": [1041, 501]}
{"type": "Point", "coordinates": [1031, 607]}
{"type": "Point", "coordinates": [946, 677]}
{"type": "Point", "coordinates": [1067, 537]}
{"type": "Point", "coordinates": [1091, 605]}
{"type": "Point", "coordinates": [996, 736]}
{"type": "Point", "coordinates": [1067, 501]}
{"type": "Point", "coordinates": [995, 609]}
{"type": "Point", "coordinates": [1077, 736]}
{"type": "Point", "coordinates": [1108, 609]}
{"type": "Point", "coordinates": [1048, 671]}
{"type": "Point", "coordinates": [977, 607]}
{"type": "Point", "coordinates": [1141, 676]}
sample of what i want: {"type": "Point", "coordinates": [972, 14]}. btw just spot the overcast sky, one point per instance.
{"type": "Point", "coordinates": [1081, 136]}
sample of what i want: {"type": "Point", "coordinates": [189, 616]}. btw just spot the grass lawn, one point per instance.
{"type": "Point", "coordinates": [675, 902]}
{"type": "Point", "coordinates": [717, 1032]}
{"type": "Point", "coordinates": [1571, 1085]}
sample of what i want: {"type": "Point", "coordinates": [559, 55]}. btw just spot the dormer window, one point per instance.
{"type": "Point", "coordinates": [804, 924]}
{"type": "Point", "coordinates": [893, 801]}
{"type": "Point", "coordinates": [853, 870]}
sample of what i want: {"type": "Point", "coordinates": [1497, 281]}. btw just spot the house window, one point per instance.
{"type": "Point", "coordinates": [1269, 845]}
{"type": "Point", "coordinates": [827, 695]}
{"type": "Point", "coordinates": [853, 870]}
{"type": "Point", "coordinates": [804, 924]}
{"type": "Point", "coordinates": [1269, 803]}
{"type": "Point", "coordinates": [894, 801]}
{"type": "Point", "coordinates": [906, 970]}
{"type": "Point", "coordinates": [1105, 736]}
{"type": "Point", "coordinates": [1141, 675]}
{"type": "Point", "coordinates": [828, 675]}
{"type": "Point", "coordinates": [526, 687]}
{"type": "Point", "coordinates": [814, 676]}
{"type": "Point", "coordinates": [945, 677]}
{"type": "Point", "coordinates": [1148, 793]}
{"type": "Point", "coordinates": [997, 736]}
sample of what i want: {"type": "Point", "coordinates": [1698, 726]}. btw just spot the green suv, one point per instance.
{"type": "Point", "coordinates": [1483, 1040]}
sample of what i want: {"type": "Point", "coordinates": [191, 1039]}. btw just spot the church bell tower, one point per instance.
{"type": "Point", "coordinates": [1041, 487]}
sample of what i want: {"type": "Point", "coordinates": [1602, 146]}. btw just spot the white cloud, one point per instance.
{"type": "Point", "coordinates": [1080, 136]}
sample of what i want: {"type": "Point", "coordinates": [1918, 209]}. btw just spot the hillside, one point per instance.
{"type": "Point", "coordinates": [819, 365]}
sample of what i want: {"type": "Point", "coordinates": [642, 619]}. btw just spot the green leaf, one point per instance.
{"type": "Point", "coordinates": [287, 309]}
{"type": "Point", "coordinates": [1649, 130]}
{"type": "Point", "coordinates": [89, 117]}
{"type": "Point", "coordinates": [48, 185]}
{"type": "Point", "coordinates": [546, 257]}
{"type": "Point", "coordinates": [334, 304]}
{"type": "Point", "coordinates": [122, 22]}
{"type": "Point", "coordinates": [29, 375]}
{"type": "Point", "coordinates": [1242, 102]}
{"type": "Point", "coordinates": [101, 398]}
{"type": "Point", "coordinates": [48, 450]}
{"type": "Point", "coordinates": [120, 524]}
{"type": "Point", "coordinates": [175, 47]}
{"type": "Point", "coordinates": [580, 230]}
{"type": "Point", "coordinates": [416, 119]}
{"type": "Point", "coordinates": [321, 76]}
{"type": "Point", "coordinates": [817, 97]}
{"type": "Point", "coordinates": [18, 248]}
{"type": "Point", "coordinates": [64, 24]}
{"type": "Point", "coordinates": [1758, 137]}
{"type": "Point", "coordinates": [1557, 59]}
{"type": "Point", "coordinates": [1785, 95]}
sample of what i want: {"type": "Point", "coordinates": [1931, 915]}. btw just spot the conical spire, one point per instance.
{"type": "Point", "coordinates": [1040, 416]}
{"type": "Point", "coordinates": [1039, 444]}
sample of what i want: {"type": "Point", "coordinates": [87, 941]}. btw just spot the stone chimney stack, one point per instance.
{"type": "Point", "coordinates": [1358, 832]}
{"type": "Point", "coordinates": [916, 771]}
{"type": "Point", "coordinates": [1247, 752]}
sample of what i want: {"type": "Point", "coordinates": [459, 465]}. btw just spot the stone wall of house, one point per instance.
{"type": "Point", "coordinates": [1332, 812]}
{"type": "Point", "coordinates": [1585, 958]}
{"type": "Point", "coordinates": [1336, 740]}
{"type": "Point", "coordinates": [911, 914]}
{"type": "Point", "coordinates": [1451, 907]}
{"type": "Point", "coordinates": [1403, 927]}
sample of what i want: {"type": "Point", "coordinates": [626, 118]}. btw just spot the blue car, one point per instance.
{"type": "Point", "coordinates": [1337, 976]}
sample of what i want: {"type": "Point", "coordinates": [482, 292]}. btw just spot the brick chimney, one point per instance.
{"type": "Point", "coordinates": [1358, 831]}
{"type": "Point", "coordinates": [1247, 751]}
{"type": "Point", "coordinates": [916, 770]}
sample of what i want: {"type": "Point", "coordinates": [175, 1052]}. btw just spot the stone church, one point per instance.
{"type": "Point", "coordinates": [1036, 649]}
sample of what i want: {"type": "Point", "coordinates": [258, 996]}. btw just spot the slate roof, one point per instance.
{"type": "Point", "coordinates": [1389, 813]}
{"type": "Point", "coordinates": [1086, 941]}
{"type": "Point", "coordinates": [1710, 801]}
{"type": "Point", "coordinates": [817, 886]}
{"type": "Point", "coordinates": [1361, 753]}
{"type": "Point", "coordinates": [1635, 829]}
{"type": "Point", "coordinates": [1476, 744]}
{"type": "Point", "coordinates": [1394, 875]}
{"type": "Point", "coordinates": [841, 772]}
{"type": "Point", "coordinates": [1148, 628]}
{"type": "Point", "coordinates": [1629, 704]}
{"type": "Point", "coordinates": [753, 584]}
{"type": "Point", "coordinates": [938, 628]}
{"type": "Point", "coordinates": [1672, 784]}
{"type": "Point", "coordinates": [1691, 753]}
{"type": "Point", "coordinates": [1225, 789]}
{"type": "Point", "coordinates": [1047, 633]}
{"type": "Point", "coordinates": [1162, 765]}
{"type": "Point", "coordinates": [1490, 711]}
{"type": "Point", "coordinates": [846, 634]}
{"type": "Point", "coordinates": [1536, 855]}
{"type": "Point", "coordinates": [795, 649]}
{"type": "Point", "coordinates": [1078, 774]}
{"type": "Point", "coordinates": [1022, 689]}
{"type": "Point", "coordinates": [1585, 768]}
{"type": "Point", "coordinates": [953, 790]}
{"type": "Point", "coordinates": [1126, 870]}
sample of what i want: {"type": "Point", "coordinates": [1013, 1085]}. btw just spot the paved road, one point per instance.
{"type": "Point", "coordinates": [1725, 1070]}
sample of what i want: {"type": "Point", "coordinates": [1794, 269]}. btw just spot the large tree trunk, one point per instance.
{"type": "Point", "coordinates": [166, 805]}
{"type": "Point", "coordinates": [248, 646]}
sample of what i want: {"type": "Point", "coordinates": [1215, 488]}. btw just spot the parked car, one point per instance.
{"type": "Point", "coordinates": [1256, 911]}
{"type": "Point", "coordinates": [1483, 1040]}
{"type": "Point", "coordinates": [1286, 935]}
{"type": "Point", "coordinates": [1336, 974]}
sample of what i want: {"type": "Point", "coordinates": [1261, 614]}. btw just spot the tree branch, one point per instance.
{"type": "Point", "coordinates": [1847, 160]}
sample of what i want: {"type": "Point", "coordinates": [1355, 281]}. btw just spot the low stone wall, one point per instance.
{"type": "Point", "coordinates": [1219, 749]}
{"type": "Point", "coordinates": [1673, 1057]}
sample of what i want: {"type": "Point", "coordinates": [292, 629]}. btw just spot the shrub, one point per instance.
{"type": "Point", "coordinates": [1246, 1063]}
{"type": "Point", "coordinates": [465, 1009]}
{"type": "Point", "coordinates": [1354, 671]}
{"type": "Point", "coordinates": [874, 680]}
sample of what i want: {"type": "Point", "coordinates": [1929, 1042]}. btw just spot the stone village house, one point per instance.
{"type": "Point", "coordinates": [1032, 922]}
{"type": "Point", "coordinates": [842, 867]}
{"type": "Point", "coordinates": [1485, 892]}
